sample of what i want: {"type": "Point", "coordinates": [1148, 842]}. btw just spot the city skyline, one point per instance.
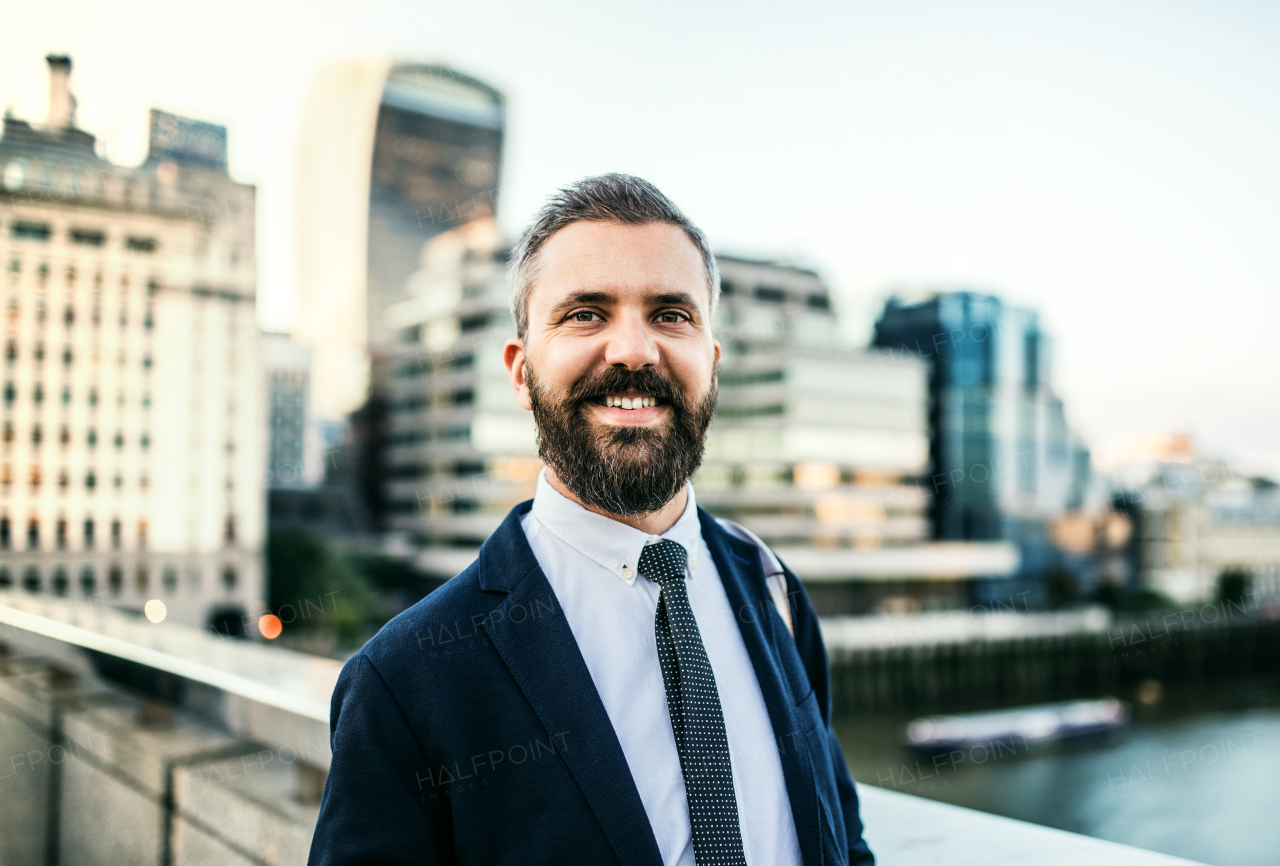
{"type": "Point", "coordinates": [1107, 167]}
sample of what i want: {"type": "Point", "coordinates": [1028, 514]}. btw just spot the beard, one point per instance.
{"type": "Point", "coordinates": [624, 471]}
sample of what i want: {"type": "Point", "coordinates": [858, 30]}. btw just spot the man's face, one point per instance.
{"type": "Point", "coordinates": [618, 364]}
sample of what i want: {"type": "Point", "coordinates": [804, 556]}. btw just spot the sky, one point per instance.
{"type": "Point", "coordinates": [1111, 164]}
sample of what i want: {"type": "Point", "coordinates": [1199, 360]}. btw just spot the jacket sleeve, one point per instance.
{"type": "Point", "coordinates": [814, 655]}
{"type": "Point", "coordinates": [375, 809]}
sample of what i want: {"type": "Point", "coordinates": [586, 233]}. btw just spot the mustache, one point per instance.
{"type": "Point", "coordinates": [616, 380]}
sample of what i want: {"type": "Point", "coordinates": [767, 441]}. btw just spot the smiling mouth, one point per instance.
{"type": "Point", "coordinates": [628, 401]}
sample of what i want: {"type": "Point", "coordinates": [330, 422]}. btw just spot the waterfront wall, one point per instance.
{"type": "Point", "coordinates": [970, 661]}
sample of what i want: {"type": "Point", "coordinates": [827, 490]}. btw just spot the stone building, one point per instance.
{"type": "Point", "coordinates": [131, 419]}
{"type": "Point", "coordinates": [1196, 519]}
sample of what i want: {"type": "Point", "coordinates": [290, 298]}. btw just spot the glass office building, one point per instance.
{"type": "Point", "coordinates": [1003, 460]}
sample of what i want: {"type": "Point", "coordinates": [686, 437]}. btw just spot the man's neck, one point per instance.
{"type": "Point", "coordinates": [653, 523]}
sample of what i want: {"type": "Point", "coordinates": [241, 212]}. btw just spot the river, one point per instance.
{"type": "Point", "coordinates": [1196, 774]}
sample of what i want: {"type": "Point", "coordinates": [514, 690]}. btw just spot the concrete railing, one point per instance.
{"type": "Point", "coordinates": [215, 753]}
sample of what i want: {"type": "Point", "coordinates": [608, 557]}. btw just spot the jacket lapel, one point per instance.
{"type": "Point", "coordinates": [533, 639]}
{"type": "Point", "coordinates": [739, 565]}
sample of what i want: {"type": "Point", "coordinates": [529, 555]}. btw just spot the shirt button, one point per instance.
{"type": "Point", "coordinates": [626, 572]}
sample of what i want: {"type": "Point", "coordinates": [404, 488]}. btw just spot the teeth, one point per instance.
{"type": "Point", "coordinates": [629, 402]}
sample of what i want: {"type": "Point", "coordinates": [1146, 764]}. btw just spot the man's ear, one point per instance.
{"type": "Point", "coordinates": [514, 357]}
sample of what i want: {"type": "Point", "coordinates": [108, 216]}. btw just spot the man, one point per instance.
{"type": "Point", "coordinates": [616, 679]}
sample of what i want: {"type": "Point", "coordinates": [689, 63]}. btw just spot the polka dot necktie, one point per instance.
{"type": "Point", "coordinates": [696, 717]}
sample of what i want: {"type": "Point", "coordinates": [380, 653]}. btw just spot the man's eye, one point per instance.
{"type": "Point", "coordinates": [671, 317]}
{"type": "Point", "coordinates": [583, 316]}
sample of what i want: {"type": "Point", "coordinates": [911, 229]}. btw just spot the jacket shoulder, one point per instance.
{"type": "Point", "coordinates": [458, 599]}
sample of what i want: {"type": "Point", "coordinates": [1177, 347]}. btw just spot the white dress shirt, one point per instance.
{"type": "Point", "coordinates": [590, 561]}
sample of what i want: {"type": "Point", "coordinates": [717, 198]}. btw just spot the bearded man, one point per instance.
{"type": "Point", "coordinates": [619, 677]}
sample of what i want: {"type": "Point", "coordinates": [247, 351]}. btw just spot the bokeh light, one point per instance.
{"type": "Point", "coordinates": [270, 626]}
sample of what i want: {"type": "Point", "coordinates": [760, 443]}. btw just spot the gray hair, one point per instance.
{"type": "Point", "coordinates": [617, 198]}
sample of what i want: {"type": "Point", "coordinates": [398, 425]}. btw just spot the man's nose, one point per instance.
{"type": "Point", "coordinates": [631, 343]}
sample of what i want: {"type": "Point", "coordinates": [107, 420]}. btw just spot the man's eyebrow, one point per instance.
{"type": "Point", "coordinates": [679, 299]}
{"type": "Point", "coordinates": [588, 297]}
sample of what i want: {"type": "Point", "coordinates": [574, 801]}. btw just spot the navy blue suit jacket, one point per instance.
{"type": "Point", "coordinates": [468, 730]}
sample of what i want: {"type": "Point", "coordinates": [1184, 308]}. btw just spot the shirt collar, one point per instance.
{"type": "Point", "coordinates": [614, 545]}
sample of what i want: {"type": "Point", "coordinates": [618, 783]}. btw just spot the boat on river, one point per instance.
{"type": "Point", "coordinates": [1022, 726]}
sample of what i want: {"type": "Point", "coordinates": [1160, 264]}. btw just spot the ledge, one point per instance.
{"type": "Point", "coordinates": [903, 830]}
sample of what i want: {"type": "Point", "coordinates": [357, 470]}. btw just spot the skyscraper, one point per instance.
{"type": "Point", "coordinates": [392, 154]}
{"type": "Point", "coordinates": [1003, 459]}
{"type": "Point", "coordinates": [132, 453]}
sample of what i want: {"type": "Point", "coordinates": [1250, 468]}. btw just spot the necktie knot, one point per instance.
{"type": "Point", "coordinates": [662, 561]}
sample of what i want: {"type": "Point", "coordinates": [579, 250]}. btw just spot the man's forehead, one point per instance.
{"type": "Point", "coordinates": [650, 258]}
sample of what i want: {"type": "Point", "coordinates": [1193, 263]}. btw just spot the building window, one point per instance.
{"type": "Point", "coordinates": [88, 533]}
{"type": "Point", "coordinates": [5, 531]}
{"type": "Point", "coordinates": [6, 476]}
{"type": "Point", "coordinates": [36, 435]}
{"type": "Point", "coordinates": [229, 577]}
{"type": "Point", "coordinates": [115, 534]}
{"type": "Point", "coordinates": [119, 440]}
{"type": "Point", "coordinates": [117, 481]}
{"type": "Point", "coordinates": [10, 393]}
{"type": "Point", "coordinates": [66, 356]}
{"type": "Point", "coordinates": [149, 319]}
{"type": "Point", "coordinates": [66, 395]}
{"type": "Point", "coordinates": [229, 529]}
{"type": "Point", "coordinates": [61, 538]}
{"type": "Point", "coordinates": [33, 534]}
{"type": "Point", "coordinates": [35, 476]}
{"type": "Point", "coordinates": [146, 399]}
{"type": "Point", "coordinates": [11, 350]}
{"type": "Point", "coordinates": [8, 432]}
{"type": "Point", "coordinates": [37, 393]}
{"type": "Point", "coordinates": [145, 441]}
{"type": "Point", "coordinates": [141, 579]}
{"type": "Point", "coordinates": [64, 435]}
{"type": "Point", "coordinates": [142, 535]}
{"type": "Point", "coordinates": [88, 580]}
{"type": "Point", "coordinates": [26, 231]}
{"type": "Point", "coordinates": [170, 579]}
{"type": "Point", "coordinates": [6, 577]}
{"type": "Point", "coordinates": [90, 480]}
{"type": "Point", "coordinates": [91, 438]}
{"type": "Point", "coordinates": [39, 351]}
{"type": "Point", "coordinates": [31, 579]}
{"type": "Point", "coordinates": [93, 396]}
{"type": "Point", "coordinates": [140, 244]}
{"type": "Point", "coordinates": [64, 479]}
{"type": "Point", "coordinates": [60, 581]}
{"type": "Point", "coordinates": [772, 294]}
{"type": "Point", "coordinates": [146, 361]}
{"type": "Point", "coordinates": [115, 579]}
{"type": "Point", "coordinates": [69, 316]}
{"type": "Point", "coordinates": [88, 237]}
